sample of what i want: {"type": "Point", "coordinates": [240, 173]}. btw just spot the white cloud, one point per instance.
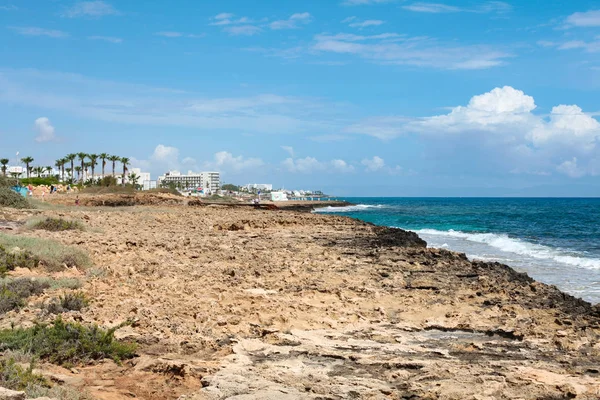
{"type": "Point", "coordinates": [374, 164]}
{"type": "Point", "coordinates": [223, 16]}
{"type": "Point", "coordinates": [584, 19]}
{"type": "Point", "coordinates": [366, 23]}
{"type": "Point", "coordinates": [227, 162]}
{"type": "Point", "coordinates": [173, 34]}
{"type": "Point", "coordinates": [44, 129]}
{"type": "Point", "coordinates": [289, 150]}
{"type": "Point", "coordinates": [342, 166]}
{"type": "Point", "coordinates": [364, 2]}
{"type": "Point", "coordinates": [95, 8]}
{"type": "Point", "coordinates": [292, 22]}
{"type": "Point", "coordinates": [109, 39]}
{"type": "Point", "coordinates": [589, 47]}
{"type": "Point", "coordinates": [394, 49]}
{"type": "Point", "coordinates": [438, 8]}
{"type": "Point", "coordinates": [503, 122]}
{"type": "Point", "coordinates": [35, 31]}
{"type": "Point", "coordinates": [9, 7]}
{"type": "Point", "coordinates": [166, 156]}
{"type": "Point", "coordinates": [243, 30]}
{"type": "Point", "coordinates": [571, 169]}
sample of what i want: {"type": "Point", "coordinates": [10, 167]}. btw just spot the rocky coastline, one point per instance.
{"type": "Point", "coordinates": [244, 303]}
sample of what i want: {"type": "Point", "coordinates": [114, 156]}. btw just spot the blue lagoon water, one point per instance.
{"type": "Point", "coordinates": [556, 241]}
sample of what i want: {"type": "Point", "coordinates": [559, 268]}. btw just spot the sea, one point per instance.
{"type": "Point", "coordinates": [554, 240]}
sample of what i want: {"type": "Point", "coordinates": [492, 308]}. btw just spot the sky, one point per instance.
{"type": "Point", "coordinates": [353, 97]}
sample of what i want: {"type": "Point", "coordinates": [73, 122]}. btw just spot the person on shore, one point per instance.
{"type": "Point", "coordinates": [69, 188]}
{"type": "Point", "coordinates": [30, 190]}
{"type": "Point", "coordinates": [77, 200]}
{"type": "Point", "coordinates": [51, 189]}
{"type": "Point", "coordinates": [44, 195]}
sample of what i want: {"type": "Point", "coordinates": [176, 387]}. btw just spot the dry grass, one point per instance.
{"type": "Point", "coordinates": [52, 255]}
{"type": "Point", "coordinates": [54, 224]}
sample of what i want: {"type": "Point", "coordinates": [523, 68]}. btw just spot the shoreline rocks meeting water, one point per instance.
{"type": "Point", "coordinates": [244, 303]}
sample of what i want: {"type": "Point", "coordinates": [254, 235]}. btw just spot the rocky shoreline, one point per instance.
{"type": "Point", "coordinates": [242, 303]}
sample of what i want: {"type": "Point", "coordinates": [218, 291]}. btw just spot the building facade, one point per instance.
{"type": "Point", "coordinates": [207, 180]}
{"type": "Point", "coordinates": [267, 187]}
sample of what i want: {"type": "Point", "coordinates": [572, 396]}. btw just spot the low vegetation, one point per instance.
{"type": "Point", "coordinates": [15, 292]}
{"type": "Point", "coordinates": [67, 343]}
{"type": "Point", "coordinates": [12, 199]}
{"type": "Point", "coordinates": [40, 181]}
{"type": "Point", "coordinates": [109, 190]}
{"type": "Point", "coordinates": [14, 377]}
{"type": "Point", "coordinates": [11, 259]}
{"type": "Point", "coordinates": [69, 302]}
{"type": "Point", "coordinates": [52, 255]}
{"type": "Point", "coordinates": [55, 224]}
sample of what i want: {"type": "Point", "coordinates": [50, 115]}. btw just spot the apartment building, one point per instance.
{"type": "Point", "coordinates": [207, 180]}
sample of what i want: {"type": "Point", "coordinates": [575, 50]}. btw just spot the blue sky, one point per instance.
{"type": "Point", "coordinates": [380, 97]}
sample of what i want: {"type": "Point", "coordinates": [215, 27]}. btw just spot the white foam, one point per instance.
{"type": "Point", "coordinates": [355, 208]}
{"type": "Point", "coordinates": [517, 246]}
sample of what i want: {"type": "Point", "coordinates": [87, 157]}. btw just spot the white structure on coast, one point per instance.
{"type": "Point", "coordinates": [267, 187]}
{"type": "Point", "coordinates": [208, 180]}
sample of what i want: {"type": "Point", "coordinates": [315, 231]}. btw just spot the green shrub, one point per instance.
{"type": "Point", "coordinates": [14, 292]}
{"type": "Point", "coordinates": [57, 392]}
{"type": "Point", "coordinates": [51, 254]}
{"type": "Point", "coordinates": [69, 302]}
{"type": "Point", "coordinates": [9, 260]}
{"type": "Point", "coordinates": [55, 225]}
{"type": "Point", "coordinates": [10, 198]}
{"type": "Point", "coordinates": [67, 343]}
{"type": "Point", "coordinates": [15, 377]}
{"type": "Point", "coordinates": [6, 181]}
{"type": "Point", "coordinates": [40, 181]}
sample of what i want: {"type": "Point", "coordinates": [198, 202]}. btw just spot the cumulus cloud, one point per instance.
{"type": "Point", "coordinates": [504, 120]}
{"type": "Point", "coordinates": [373, 164]}
{"type": "Point", "coordinates": [342, 166]}
{"type": "Point", "coordinates": [367, 23]}
{"type": "Point", "coordinates": [44, 129]}
{"type": "Point", "coordinates": [95, 8]}
{"type": "Point", "coordinates": [227, 162]}
{"type": "Point", "coordinates": [166, 156]}
{"type": "Point", "coordinates": [289, 150]}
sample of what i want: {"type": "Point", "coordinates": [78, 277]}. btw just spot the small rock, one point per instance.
{"type": "Point", "coordinates": [7, 394]}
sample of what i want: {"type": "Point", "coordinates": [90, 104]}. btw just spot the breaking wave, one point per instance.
{"type": "Point", "coordinates": [356, 208]}
{"type": "Point", "coordinates": [517, 246]}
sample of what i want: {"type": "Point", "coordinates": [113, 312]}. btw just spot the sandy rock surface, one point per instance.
{"type": "Point", "coordinates": [256, 304]}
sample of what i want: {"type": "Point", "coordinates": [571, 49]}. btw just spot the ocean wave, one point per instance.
{"type": "Point", "coordinates": [355, 208]}
{"type": "Point", "coordinates": [512, 245]}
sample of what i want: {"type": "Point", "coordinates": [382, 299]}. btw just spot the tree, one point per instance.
{"type": "Point", "coordinates": [63, 161]}
{"type": "Point", "coordinates": [78, 169]}
{"type": "Point", "coordinates": [125, 162]}
{"type": "Point", "coordinates": [70, 173]}
{"type": "Point", "coordinates": [230, 187]}
{"type": "Point", "coordinates": [103, 157]}
{"type": "Point", "coordinates": [133, 179]}
{"type": "Point", "coordinates": [4, 162]}
{"type": "Point", "coordinates": [27, 161]}
{"type": "Point", "coordinates": [82, 157]}
{"type": "Point", "coordinates": [71, 157]}
{"type": "Point", "coordinates": [93, 162]}
{"type": "Point", "coordinates": [114, 160]}
{"type": "Point", "coordinates": [48, 170]}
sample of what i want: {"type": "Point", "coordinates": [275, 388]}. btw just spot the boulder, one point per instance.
{"type": "Point", "coordinates": [7, 394]}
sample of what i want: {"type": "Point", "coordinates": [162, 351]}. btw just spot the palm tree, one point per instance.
{"type": "Point", "coordinates": [48, 170]}
{"type": "Point", "coordinates": [59, 164]}
{"type": "Point", "coordinates": [78, 169]}
{"type": "Point", "coordinates": [133, 179]}
{"type": "Point", "coordinates": [125, 162]}
{"type": "Point", "coordinates": [39, 171]}
{"type": "Point", "coordinates": [82, 157]}
{"type": "Point", "coordinates": [70, 173]}
{"type": "Point", "coordinates": [63, 161]}
{"type": "Point", "coordinates": [27, 161]}
{"type": "Point", "coordinates": [71, 157]}
{"type": "Point", "coordinates": [93, 162]}
{"type": "Point", "coordinates": [4, 162]}
{"type": "Point", "coordinates": [103, 157]}
{"type": "Point", "coordinates": [114, 159]}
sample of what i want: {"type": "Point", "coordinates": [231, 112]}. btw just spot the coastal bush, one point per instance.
{"type": "Point", "coordinates": [48, 253]}
{"type": "Point", "coordinates": [8, 182]}
{"type": "Point", "coordinates": [9, 260]}
{"type": "Point", "coordinates": [57, 392]}
{"type": "Point", "coordinates": [14, 292]}
{"type": "Point", "coordinates": [12, 199]}
{"type": "Point", "coordinates": [55, 224]}
{"type": "Point", "coordinates": [61, 283]}
{"type": "Point", "coordinates": [40, 181]}
{"type": "Point", "coordinates": [15, 377]}
{"type": "Point", "coordinates": [128, 189]}
{"type": "Point", "coordinates": [69, 302]}
{"type": "Point", "coordinates": [67, 343]}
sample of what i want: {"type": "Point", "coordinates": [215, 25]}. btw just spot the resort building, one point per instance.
{"type": "Point", "coordinates": [208, 180]}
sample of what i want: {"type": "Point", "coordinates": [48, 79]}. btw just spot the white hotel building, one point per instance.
{"type": "Point", "coordinates": [206, 180]}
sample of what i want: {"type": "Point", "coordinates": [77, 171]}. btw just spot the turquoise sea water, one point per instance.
{"type": "Point", "coordinates": [556, 241]}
